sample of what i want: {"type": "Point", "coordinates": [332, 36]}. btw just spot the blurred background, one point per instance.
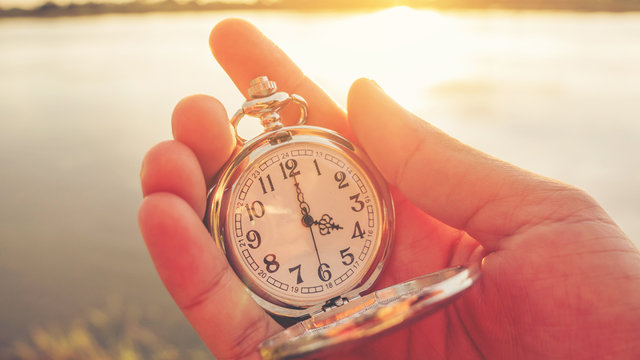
{"type": "Point", "coordinates": [87, 87]}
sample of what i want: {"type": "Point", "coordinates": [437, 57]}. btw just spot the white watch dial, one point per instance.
{"type": "Point", "coordinates": [304, 223]}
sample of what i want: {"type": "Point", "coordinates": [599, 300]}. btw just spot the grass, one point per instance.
{"type": "Point", "coordinates": [114, 331]}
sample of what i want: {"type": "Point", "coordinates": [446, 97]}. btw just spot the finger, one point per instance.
{"type": "Point", "coordinates": [455, 183]}
{"type": "Point", "coordinates": [245, 53]}
{"type": "Point", "coordinates": [172, 167]}
{"type": "Point", "coordinates": [198, 277]}
{"type": "Point", "coordinates": [201, 123]}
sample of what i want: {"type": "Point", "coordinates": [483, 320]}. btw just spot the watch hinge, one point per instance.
{"type": "Point", "coordinates": [334, 303]}
{"type": "Point", "coordinates": [279, 137]}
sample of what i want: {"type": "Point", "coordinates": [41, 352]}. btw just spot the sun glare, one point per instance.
{"type": "Point", "coordinates": [384, 44]}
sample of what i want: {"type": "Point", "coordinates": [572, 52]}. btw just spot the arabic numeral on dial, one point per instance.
{"type": "Point", "coordinates": [323, 272]}
{"type": "Point", "coordinates": [359, 203]}
{"type": "Point", "coordinates": [272, 264]}
{"type": "Point", "coordinates": [264, 186]}
{"type": "Point", "coordinates": [357, 231]}
{"type": "Point", "coordinates": [340, 177]}
{"type": "Point", "coordinates": [328, 285]}
{"type": "Point", "coordinates": [315, 162]}
{"type": "Point", "coordinates": [299, 277]}
{"type": "Point", "coordinates": [255, 210]}
{"type": "Point", "coordinates": [253, 239]}
{"type": "Point", "coordinates": [347, 257]}
{"type": "Point", "coordinates": [290, 165]}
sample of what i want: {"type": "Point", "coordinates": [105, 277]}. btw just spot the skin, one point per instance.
{"type": "Point", "coordinates": [560, 279]}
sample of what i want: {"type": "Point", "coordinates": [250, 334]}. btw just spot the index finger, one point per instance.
{"type": "Point", "coordinates": [245, 53]}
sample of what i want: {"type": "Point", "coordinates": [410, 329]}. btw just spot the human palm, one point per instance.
{"type": "Point", "coordinates": [560, 280]}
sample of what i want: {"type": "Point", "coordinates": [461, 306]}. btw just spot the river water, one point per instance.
{"type": "Point", "coordinates": [81, 99]}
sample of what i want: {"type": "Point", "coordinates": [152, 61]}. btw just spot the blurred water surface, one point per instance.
{"type": "Point", "coordinates": [82, 99]}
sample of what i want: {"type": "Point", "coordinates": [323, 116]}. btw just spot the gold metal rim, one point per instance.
{"type": "Point", "coordinates": [219, 199]}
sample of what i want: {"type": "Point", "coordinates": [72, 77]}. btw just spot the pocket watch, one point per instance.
{"type": "Point", "coordinates": [306, 222]}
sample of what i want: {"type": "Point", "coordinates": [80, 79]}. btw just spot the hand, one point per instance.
{"type": "Point", "coordinates": [305, 209]}
{"type": "Point", "coordinates": [326, 224]}
{"type": "Point", "coordinates": [560, 280]}
{"type": "Point", "coordinates": [307, 219]}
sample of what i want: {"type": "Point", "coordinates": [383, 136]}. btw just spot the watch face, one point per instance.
{"type": "Point", "coordinates": [304, 223]}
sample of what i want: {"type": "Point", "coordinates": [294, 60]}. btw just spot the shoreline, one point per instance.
{"type": "Point", "coordinates": [51, 10]}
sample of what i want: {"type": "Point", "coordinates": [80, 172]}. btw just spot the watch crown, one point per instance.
{"type": "Point", "coordinates": [261, 87]}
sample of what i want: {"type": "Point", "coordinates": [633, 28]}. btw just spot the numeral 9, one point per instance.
{"type": "Point", "coordinates": [253, 239]}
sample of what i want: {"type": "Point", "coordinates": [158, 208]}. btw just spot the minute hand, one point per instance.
{"type": "Point", "coordinates": [305, 209]}
{"type": "Point", "coordinates": [315, 245]}
{"type": "Point", "coordinates": [307, 220]}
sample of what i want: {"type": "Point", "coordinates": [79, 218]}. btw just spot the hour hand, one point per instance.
{"type": "Point", "coordinates": [326, 225]}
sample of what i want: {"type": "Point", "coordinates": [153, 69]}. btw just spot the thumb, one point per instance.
{"type": "Point", "coordinates": [460, 186]}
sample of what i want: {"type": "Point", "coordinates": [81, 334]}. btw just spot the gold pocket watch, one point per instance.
{"type": "Point", "coordinates": [306, 222]}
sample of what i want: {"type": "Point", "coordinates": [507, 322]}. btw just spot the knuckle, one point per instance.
{"type": "Point", "coordinates": [215, 285]}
